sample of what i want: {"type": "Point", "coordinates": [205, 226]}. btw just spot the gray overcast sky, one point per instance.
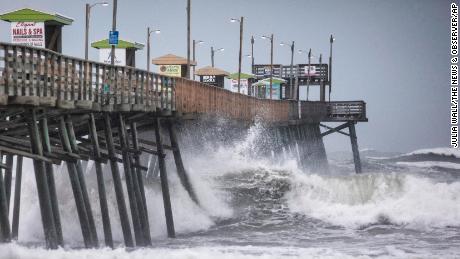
{"type": "Point", "coordinates": [392, 54]}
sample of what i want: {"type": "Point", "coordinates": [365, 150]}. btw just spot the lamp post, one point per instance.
{"type": "Point", "coordinates": [149, 32]}
{"type": "Point", "coordinates": [114, 28]}
{"type": "Point", "coordinates": [88, 11]}
{"type": "Point", "coordinates": [271, 62]}
{"type": "Point", "coordinates": [331, 40]}
{"type": "Point", "coordinates": [213, 51]}
{"type": "Point", "coordinates": [194, 45]}
{"type": "Point", "coordinates": [252, 54]}
{"type": "Point", "coordinates": [291, 79]}
{"type": "Point", "coordinates": [241, 21]}
{"type": "Point", "coordinates": [188, 37]}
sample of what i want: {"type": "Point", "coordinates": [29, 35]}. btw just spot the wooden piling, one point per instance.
{"type": "Point", "coordinates": [42, 184]}
{"type": "Point", "coordinates": [140, 180]}
{"type": "Point", "coordinates": [8, 178]}
{"type": "Point", "coordinates": [183, 177]}
{"type": "Point", "coordinates": [17, 198]}
{"type": "Point", "coordinates": [81, 180]}
{"type": "Point", "coordinates": [4, 220]}
{"type": "Point", "coordinates": [132, 197]}
{"type": "Point", "coordinates": [354, 147]}
{"type": "Point", "coordinates": [76, 187]}
{"type": "Point", "coordinates": [100, 183]}
{"type": "Point", "coordinates": [126, 228]}
{"type": "Point", "coordinates": [164, 180]}
{"type": "Point", "coordinates": [50, 179]}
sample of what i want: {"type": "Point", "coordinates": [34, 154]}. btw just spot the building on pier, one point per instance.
{"type": "Point", "coordinates": [172, 65]}
{"type": "Point", "coordinates": [36, 28]}
{"type": "Point", "coordinates": [125, 52]}
{"type": "Point", "coordinates": [212, 76]}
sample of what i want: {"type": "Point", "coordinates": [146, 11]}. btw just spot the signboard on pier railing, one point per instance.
{"type": "Point", "coordinates": [28, 33]}
{"type": "Point", "coordinates": [170, 70]}
{"type": "Point", "coordinates": [243, 86]}
{"type": "Point", "coordinates": [120, 56]}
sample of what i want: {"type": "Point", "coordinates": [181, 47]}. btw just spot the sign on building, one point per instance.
{"type": "Point", "coordinates": [243, 86]}
{"type": "Point", "coordinates": [312, 71]}
{"type": "Point", "coordinates": [170, 70]}
{"type": "Point", "coordinates": [120, 56]}
{"type": "Point", "coordinates": [28, 33]}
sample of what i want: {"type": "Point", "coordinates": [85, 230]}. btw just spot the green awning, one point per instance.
{"type": "Point", "coordinates": [122, 44]}
{"type": "Point", "coordinates": [266, 81]}
{"type": "Point", "coordinates": [243, 76]}
{"type": "Point", "coordinates": [31, 15]}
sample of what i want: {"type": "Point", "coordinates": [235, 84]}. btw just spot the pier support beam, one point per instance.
{"type": "Point", "coordinates": [135, 203]}
{"type": "Point", "coordinates": [117, 183]}
{"type": "Point", "coordinates": [5, 235]}
{"type": "Point", "coordinates": [81, 180]}
{"type": "Point", "coordinates": [17, 198]}
{"type": "Point", "coordinates": [164, 181]}
{"type": "Point", "coordinates": [8, 178]}
{"type": "Point", "coordinates": [50, 180]}
{"type": "Point", "coordinates": [184, 179]}
{"type": "Point", "coordinates": [100, 183]}
{"type": "Point", "coordinates": [354, 147]}
{"type": "Point", "coordinates": [140, 180]}
{"type": "Point", "coordinates": [42, 184]}
{"type": "Point", "coordinates": [76, 187]}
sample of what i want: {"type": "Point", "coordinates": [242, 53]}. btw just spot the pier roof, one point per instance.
{"type": "Point", "coordinates": [122, 44]}
{"type": "Point", "coordinates": [266, 81]}
{"type": "Point", "coordinates": [32, 15]}
{"type": "Point", "coordinates": [211, 71]}
{"type": "Point", "coordinates": [171, 59]}
{"type": "Point", "coordinates": [242, 76]}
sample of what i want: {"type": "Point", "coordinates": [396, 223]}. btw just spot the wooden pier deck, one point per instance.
{"type": "Point", "coordinates": [55, 108]}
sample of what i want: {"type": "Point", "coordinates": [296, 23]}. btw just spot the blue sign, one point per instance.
{"type": "Point", "coordinates": [113, 38]}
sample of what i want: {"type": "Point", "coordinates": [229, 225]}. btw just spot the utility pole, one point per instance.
{"type": "Point", "coordinates": [149, 32]}
{"type": "Point", "coordinates": [213, 51]}
{"type": "Point", "coordinates": [87, 14]}
{"type": "Point", "coordinates": [291, 76]}
{"type": "Point", "coordinates": [252, 54]}
{"type": "Point", "coordinates": [331, 40]}
{"type": "Point", "coordinates": [212, 56]}
{"type": "Point", "coordinates": [271, 66]}
{"type": "Point", "coordinates": [308, 75]}
{"type": "Point", "coordinates": [86, 30]}
{"type": "Point", "coordinates": [241, 21]}
{"type": "Point", "coordinates": [188, 38]}
{"type": "Point", "coordinates": [193, 54]}
{"type": "Point", "coordinates": [148, 49]}
{"type": "Point", "coordinates": [114, 28]}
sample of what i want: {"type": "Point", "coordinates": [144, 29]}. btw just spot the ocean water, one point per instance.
{"type": "Point", "coordinates": [265, 207]}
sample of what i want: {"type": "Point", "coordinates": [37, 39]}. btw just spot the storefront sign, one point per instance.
{"type": "Point", "coordinates": [28, 33]}
{"type": "Point", "coordinates": [312, 71]}
{"type": "Point", "coordinates": [243, 86]}
{"type": "Point", "coordinates": [170, 70]}
{"type": "Point", "coordinates": [120, 56]}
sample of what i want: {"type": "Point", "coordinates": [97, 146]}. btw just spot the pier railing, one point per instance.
{"type": "Point", "coordinates": [41, 77]}
{"type": "Point", "coordinates": [346, 111]}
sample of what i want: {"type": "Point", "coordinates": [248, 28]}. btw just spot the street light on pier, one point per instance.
{"type": "Point", "coordinates": [88, 11]}
{"type": "Point", "coordinates": [213, 51]}
{"type": "Point", "coordinates": [241, 21]}
{"type": "Point", "coordinates": [149, 32]}
{"type": "Point", "coordinates": [331, 40]}
{"type": "Point", "coordinates": [271, 61]}
{"type": "Point", "coordinates": [114, 28]}
{"type": "Point", "coordinates": [195, 42]}
{"type": "Point", "coordinates": [291, 79]}
{"type": "Point", "coordinates": [252, 54]}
